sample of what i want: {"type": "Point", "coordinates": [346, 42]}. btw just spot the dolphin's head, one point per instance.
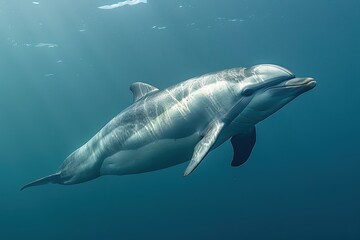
{"type": "Point", "coordinates": [269, 88]}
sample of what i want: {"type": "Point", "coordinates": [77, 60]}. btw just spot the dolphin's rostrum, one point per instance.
{"type": "Point", "coordinates": [184, 122]}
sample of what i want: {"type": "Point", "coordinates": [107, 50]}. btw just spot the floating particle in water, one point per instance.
{"type": "Point", "coordinates": [159, 28]}
{"type": "Point", "coordinates": [48, 45]}
{"type": "Point", "coordinates": [121, 4]}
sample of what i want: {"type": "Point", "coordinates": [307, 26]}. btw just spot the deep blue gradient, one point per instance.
{"type": "Point", "coordinates": [302, 180]}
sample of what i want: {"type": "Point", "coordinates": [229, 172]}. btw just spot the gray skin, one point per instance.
{"type": "Point", "coordinates": [163, 128]}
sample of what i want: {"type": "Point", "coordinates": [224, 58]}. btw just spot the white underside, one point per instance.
{"type": "Point", "coordinates": [162, 153]}
{"type": "Point", "coordinates": [154, 156]}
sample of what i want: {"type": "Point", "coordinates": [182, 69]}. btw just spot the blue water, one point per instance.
{"type": "Point", "coordinates": [65, 71]}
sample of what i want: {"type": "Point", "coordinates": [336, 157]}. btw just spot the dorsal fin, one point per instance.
{"type": "Point", "coordinates": [140, 90]}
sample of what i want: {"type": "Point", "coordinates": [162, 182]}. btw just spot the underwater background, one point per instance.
{"type": "Point", "coordinates": [65, 71]}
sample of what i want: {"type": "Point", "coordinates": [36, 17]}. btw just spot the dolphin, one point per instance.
{"type": "Point", "coordinates": [163, 128]}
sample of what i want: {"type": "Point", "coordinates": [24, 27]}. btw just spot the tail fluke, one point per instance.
{"type": "Point", "coordinates": [54, 178]}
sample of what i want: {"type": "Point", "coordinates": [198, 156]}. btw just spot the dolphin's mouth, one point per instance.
{"type": "Point", "coordinates": [300, 82]}
{"type": "Point", "coordinates": [308, 83]}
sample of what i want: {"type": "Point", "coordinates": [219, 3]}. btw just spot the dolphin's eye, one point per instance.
{"type": "Point", "coordinates": [248, 91]}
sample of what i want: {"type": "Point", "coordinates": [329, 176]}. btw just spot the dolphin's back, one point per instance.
{"type": "Point", "coordinates": [174, 112]}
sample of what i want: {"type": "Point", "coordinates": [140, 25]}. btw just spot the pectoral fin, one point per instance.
{"type": "Point", "coordinates": [242, 146]}
{"type": "Point", "coordinates": [204, 146]}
